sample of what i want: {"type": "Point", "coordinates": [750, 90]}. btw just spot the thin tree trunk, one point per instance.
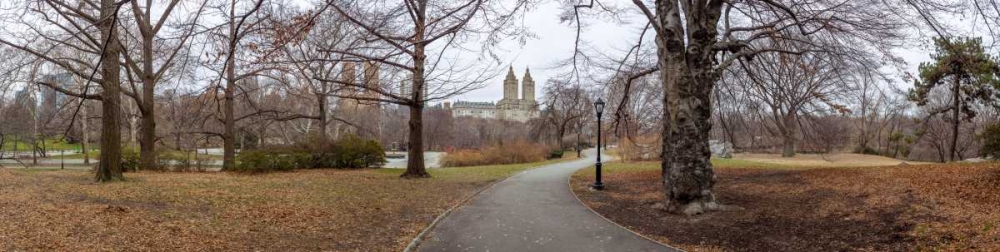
{"type": "Point", "coordinates": [109, 168]}
{"type": "Point", "coordinates": [86, 134]}
{"type": "Point", "coordinates": [955, 117]}
{"type": "Point", "coordinates": [229, 131]}
{"type": "Point", "coordinates": [322, 100]}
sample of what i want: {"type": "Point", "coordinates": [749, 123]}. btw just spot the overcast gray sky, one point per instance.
{"type": "Point", "coordinates": [555, 42]}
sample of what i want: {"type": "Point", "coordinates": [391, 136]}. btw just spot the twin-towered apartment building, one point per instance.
{"type": "Point", "coordinates": [511, 107]}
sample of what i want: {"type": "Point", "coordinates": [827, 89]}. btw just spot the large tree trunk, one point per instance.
{"type": "Point", "coordinates": [688, 78]}
{"type": "Point", "coordinates": [415, 163]}
{"type": "Point", "coordinates": [955, 119]}
{"type": "Point", "coordinates": [109, 168]}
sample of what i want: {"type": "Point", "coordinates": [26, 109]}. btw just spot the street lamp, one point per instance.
{"type": "Point", "coordinates": [599, 107]}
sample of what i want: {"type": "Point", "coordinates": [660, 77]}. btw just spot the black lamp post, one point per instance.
{"type": "Point", "coordinates": [599, 107]}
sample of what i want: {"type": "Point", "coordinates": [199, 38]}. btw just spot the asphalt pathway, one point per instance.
{"type": "Point", "coordinates": [533, 211]}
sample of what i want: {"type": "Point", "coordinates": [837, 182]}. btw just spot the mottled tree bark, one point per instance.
{"type": "Point", "coordinates": [688, 77]}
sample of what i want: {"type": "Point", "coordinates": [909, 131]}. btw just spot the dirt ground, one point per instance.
{"type": "Point", "coordinates": [824, 160]}
{"type": "Point", "coordinates": [904, 208]}
{"type": "Point", "coordinates": [308, 210]}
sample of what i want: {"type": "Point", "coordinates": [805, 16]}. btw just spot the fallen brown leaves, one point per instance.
{"type": "Point", "coordinates": [311, 210]}
{"type": "Point", "coordinates": [949, 207]}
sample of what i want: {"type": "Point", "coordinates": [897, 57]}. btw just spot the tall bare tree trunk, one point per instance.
{"type": "Point", "coordinates": [86, 134]}
{"type": "Point", "coordinates": [956, 94]}
{"type": "Point", "coordinates": [229, 131]}
{"type": "Point", "coordinates": [147, 139]}
{"type": "Point", "coordinates": [34, 138]}
{"type": "Point", "coordinates": [688, 77]}
{"type": "Point", "coordinates": [415, 163]}
{"type": "Point", "coordinates": [109, 168]}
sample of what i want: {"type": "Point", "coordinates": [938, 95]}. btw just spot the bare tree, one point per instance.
{"type": "Point", "coordinates": [152, 57]}
{"type": "Point", "coordinates": [792, 85]}
{"type": "Point", "coordinates": [73, 26]}
{"type": "Point", "coordinates": [414, 37]}
{"type": "Point", "coordinates": [698, 40]}
{"type": "Point", "coordinates": [565, 106]}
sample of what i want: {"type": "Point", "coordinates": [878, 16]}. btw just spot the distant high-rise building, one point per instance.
{"type": "Point", "coordinates": [510, 107]}
{"type": "Point", "coordinates": [349, 78]}
{"type": "Point", "coordinates": [371, 82]}
{"type": "Point", "coordinates": [50, 100]}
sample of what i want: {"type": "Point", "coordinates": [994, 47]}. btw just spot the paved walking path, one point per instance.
{"type": "Point", "coordinates": [533, 211]}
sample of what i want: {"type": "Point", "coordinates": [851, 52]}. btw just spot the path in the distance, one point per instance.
{"type": "Point", "coordinates": [533, 211]}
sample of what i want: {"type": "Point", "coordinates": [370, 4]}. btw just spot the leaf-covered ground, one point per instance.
{"type": "Point", "coordinates": [944, 207]}
{"type": "Point", "coordinates": [309, 210]}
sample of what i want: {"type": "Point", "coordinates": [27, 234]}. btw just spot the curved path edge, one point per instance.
{"type": "Point", "coordinates": [569, 183]}
{"type": "Point", "coordinates": [534, 210]}
{"type": "Point", "coordinates": [412, 246]}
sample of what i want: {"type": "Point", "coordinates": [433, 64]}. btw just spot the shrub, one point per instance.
{"type": "Point", "coordinates": [167, 160]}
{"type": "Point", "coordinates": [353, 152]}
{"type": "Point", "coordinates": [991, 141]}
{"type": "Point", "coordinates": [556, 154]}
{"type": "Point", "coordinates": [201, 163]}
{"type": "Point", "coordinates": [265, 161]}
{"type": "Point", "coordinates": [865, 150]}
{"type": "Point", "coordinates": [349, 152]}
{"type": "Point", "coordinates": [130, 160]}
{"type": "Point", "coordinates": [515, 153]}
{"type": "Point", "coordinates": [182, 164]}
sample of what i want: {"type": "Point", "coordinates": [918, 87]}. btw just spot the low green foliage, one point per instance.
{"type": "Point", "coordinates": [865, 150]}
{"type": "Point", "coordinates": [991, 141]}
{"type": "Point", "coordinates": [130, 160]}
{"type": "Point", "coordinates": [348, 152]}
{"type": "Point", "coordinates": [556, 154]}
{"type": "Point", "coordinates": [171, 160]}
{"type": "Point", "coordinates": [260, 161]}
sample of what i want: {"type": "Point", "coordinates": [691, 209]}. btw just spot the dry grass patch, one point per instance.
{"type": "Point", "coordinates": [308, 210]}
{"type": "Point", "coordinates": [824, 160]}
{"type": "Point", "coordinates": [903, 208]}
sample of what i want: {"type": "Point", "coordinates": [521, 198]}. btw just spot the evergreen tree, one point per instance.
{"type": "Point", "coordinates": [962, 66]}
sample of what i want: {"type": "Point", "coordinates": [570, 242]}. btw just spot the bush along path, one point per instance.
{"type": "Point", "coordinates": [533, 211]}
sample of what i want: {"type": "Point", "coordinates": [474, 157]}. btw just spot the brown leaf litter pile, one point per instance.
{"type": "Point", "coordinates": [946, 207]}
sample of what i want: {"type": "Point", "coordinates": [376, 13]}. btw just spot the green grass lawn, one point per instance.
{"type": "Point", "coordinates": [51, 144]}
{"type": "Point", "coordinates": [95, 154]}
